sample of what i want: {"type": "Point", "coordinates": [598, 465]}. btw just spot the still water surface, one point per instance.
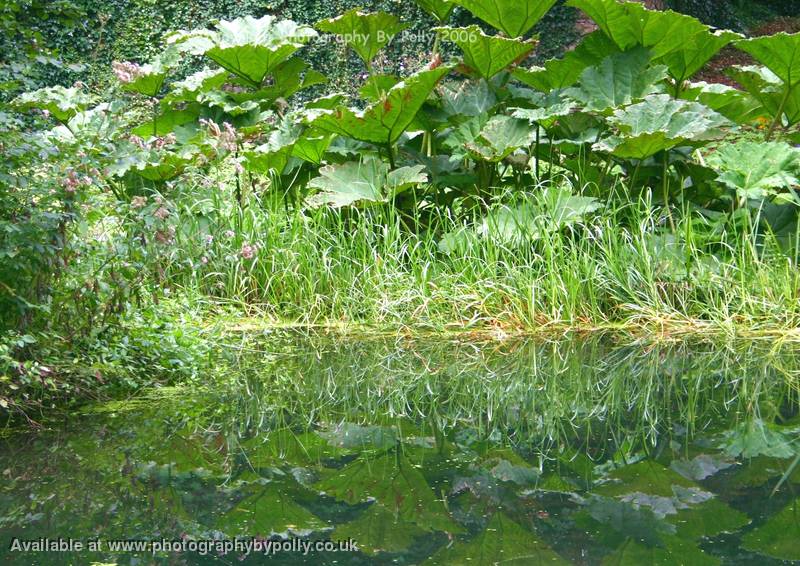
{"type": "Point", "coordinates": [429, 452]}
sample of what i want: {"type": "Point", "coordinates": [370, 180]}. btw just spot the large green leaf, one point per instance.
{"type": "Point", "coordinates": [552, 210]}
{"type": "Point", "coordinates": [757, 169]}
{"type": "Point", "coordinates": [659, 123]}
{"type": "Point", "coordinates": [438, 9]}
{"type": "Point", "coordinates": [551, 107]}
{"type": "Point", "coordinates": [565, 72]}
{"type": "Point", "coordinates": [364, 182]}
{"type": "Point", "coordinates": [289, 139]}
{"type": "Point", "coordinates": [698, 50]}
{"type": "Point", "coordinates": [500, 137]}
{"type": "Point", "coordinates": [366, 34]}
{"type": "Point", "coordinates": [766, 87]}
{"type": "Point", "coordinates": [384, 121]}
{"type": "Point", "coordinates": [779, 536]}
{"type": "Point", "coordinates": [147, 79]}
{"type": "Point", "coordinates": [468, 98]}
{"type": "Point", "coordinates": [485, 54]}
{"type": "Point", "coordinates": [736, 105]}
{"type": "Point", "coordinates": [512, 17]}
{"type": "Point", "coordinates": [502, 542]}
{"type": "Point", "coordinates": [780, 53]}
{"type": "Point", "coordinates": [251, 48]}
{"type": "Point", "coordinates": [202, 81]}
{"type": "Point", "coordinates": [61, 102]}
{"type": "Point", "coordinates": [620, 79]}
{"type": "Point", "coordinates": [288, 78]}
{"type": "Point", "coordinates": [629, 24]}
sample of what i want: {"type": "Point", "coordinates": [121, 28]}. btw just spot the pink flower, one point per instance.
{"type": "Point", "coordinates": [209, 239]}
{"type": "Point", "coordinates": [248, 251]}
{"type": "Point", "coordinates": [138, 202]}
{"type": "Point", "coordinates": [204, 260]}
{"type": "Point", "coordinates": [229, 234]}
{"type": "Point", "coordinates": [127, 72]}
{"type": "Point", "coordinates": [161, 213]}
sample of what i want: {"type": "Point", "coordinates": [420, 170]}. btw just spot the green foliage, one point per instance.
{"type": "Point", "coordinates": [475, 149]}
{"type": "Point", "coordinates": [757, 170]}
{"type": "Point", "coordinates": [366, 34]}
{"type": "Point", "coordinates": [514, 18]}
{"type": "Point", "coordinates": [483, 54]}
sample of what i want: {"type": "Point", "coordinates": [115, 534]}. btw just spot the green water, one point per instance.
{"type": "Point", "coordinates": [430, 452]}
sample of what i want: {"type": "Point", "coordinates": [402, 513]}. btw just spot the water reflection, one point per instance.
{"type": "Point", "coordinates": [434, 452]}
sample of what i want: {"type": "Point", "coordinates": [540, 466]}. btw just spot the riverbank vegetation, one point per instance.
{"type": "Point", "coordinates": [473, 191]}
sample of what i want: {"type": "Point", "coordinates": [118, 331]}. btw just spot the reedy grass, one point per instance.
{"type": "Point", "coordinates": [622, 269]}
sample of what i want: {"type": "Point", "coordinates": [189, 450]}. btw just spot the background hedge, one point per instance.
{"type": "Point", "coordinates": [88, 35]}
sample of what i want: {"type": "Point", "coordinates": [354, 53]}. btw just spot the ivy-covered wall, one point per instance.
{"type": "Point", "coordinates": [89, 34]}
{"type": "Point", "coordinates": [134, 29]}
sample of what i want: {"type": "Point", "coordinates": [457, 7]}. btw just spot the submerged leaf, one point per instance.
{"type": "Point", "coordinates": [379, 530]}
{"type": "Point", "coordinates": [396, 484]}
{"type": "Point", "coordinates": [779, 536]}
{"type": "Point", "coordinates": [502, 542]}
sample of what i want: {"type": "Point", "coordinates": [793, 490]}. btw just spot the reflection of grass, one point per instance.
{"type": "Point", "coordinates": [540, 394]}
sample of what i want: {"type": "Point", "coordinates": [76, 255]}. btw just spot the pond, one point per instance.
{"type": "Point", "coordinates": [426, 451]}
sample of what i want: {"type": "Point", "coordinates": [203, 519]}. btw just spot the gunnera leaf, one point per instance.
{"type": "Point", "coordinates": [659, 123]}
{"type": "Point", "coordinates": [487, 55]}
{"type": "Point", "coordinates": [364, 182]}
{"type": "Point", "coordinates": [619, 80]}
{"type": "Point", "coordinates": [698, 50]}
{"type": "Point", "coordinates": [513, 17]}
{"type": "Point", "coordinates": [62, 103]}
{"type": "Point", "coordinates": [756, 170]}
{"type": "Point", "coordinates": [773, 94]}
{"type": "Point", "coordinates": [385, 120]}
{"type": "Point", "coordinates": [248, 47]}
{"type": "Point", "coordinates": [630, 24]}
{"type": "Point", "coordinates": [440, 10]}
{"type": "Point", "coordinates": [780, 53]}
{"type": "Point", "coordinates": [565, 72]}
{"type": "Point", "coordinates": [736, 105]}
{"type": "Point", "coordinates": [365, 33]}
{"type": "Point", "coordinates": [500, 137]}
